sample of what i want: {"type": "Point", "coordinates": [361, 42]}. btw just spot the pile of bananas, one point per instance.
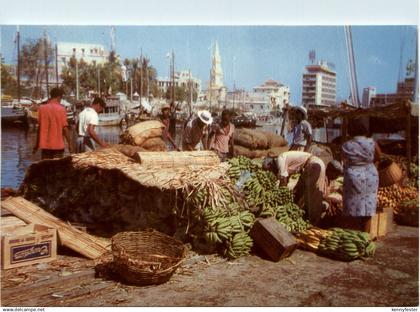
{"type": "Point", "coordinates": [240, 164]}
{"type": "Point", "coordinates": [240, 245]}
{"type": "Point", "coordinates": [407, 212]}
{"type": "Point", "coordinates": [291, 216]}
{"type": "Point", "coordinates": [337, 243]}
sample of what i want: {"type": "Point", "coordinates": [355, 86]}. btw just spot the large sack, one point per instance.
{"type": "Point", "coordinates": [140, 132]}
{"type": "Point", "coordinates": [154, 144]}
{"type": "Point", "coordinates": [252, 139]}
{"type": "Point", "coordinates": [274, 140]}
{"type": "Point", "coordinates": [128, 150]}
{"type": "Point", "coordinates": [148, 134]}
{"type": "Point", "coordinates": [276, 151]}
{"type": "Point", "coordinates": [244, 139]}
{"type": "Point", "coordinates": [243, 151]}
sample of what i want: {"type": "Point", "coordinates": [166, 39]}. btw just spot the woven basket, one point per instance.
{"type": "Point", "coordinates": [389, 173]}
{"type": "Point", "coordinates": [146, 257]}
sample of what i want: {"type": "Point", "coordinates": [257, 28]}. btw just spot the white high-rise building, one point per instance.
{"type": "Point", "coordinates": [319, 86]}
{"type": "Point", "coordinates": [181, 79]}
{"type": "Point", "coordinates": [89, 52]}
{"type": "Point", "coordinates": [368, 94]}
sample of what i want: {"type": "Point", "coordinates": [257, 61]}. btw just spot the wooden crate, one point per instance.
{"type": "Point", "coordinates": [368, 225]}
{"type": "Point", "coordinates": [385, 221]}
{"type": "Point", "coordinates": [273, 239]}
{"type": "Point", "coordinates": [27, 244]}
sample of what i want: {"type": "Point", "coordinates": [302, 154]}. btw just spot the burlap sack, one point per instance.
{"type": "Point", "coordinates": [128, 150]}
{"type": "Point", "coordinates": [148, 134]}
{"type": "Point", "coordinates": [243, 151]}
{"type": "Point", "coordinates": [154, 144]}
{"type": "Point", "coordinates": [242, 138]}
{"type": "Point", "coordinates": [274, 140]}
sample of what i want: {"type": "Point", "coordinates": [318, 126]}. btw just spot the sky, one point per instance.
{"type": "Point", "coordinates": [250, 54]}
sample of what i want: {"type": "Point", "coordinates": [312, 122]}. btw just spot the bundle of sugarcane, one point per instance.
{"type": "Point", "coordinates": [337, 243]}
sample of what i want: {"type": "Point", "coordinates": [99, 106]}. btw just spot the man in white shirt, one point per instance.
{"type": "Point", "coordinates": [311, 188]}
{"type": "Point", "coordinates": [88, 120]}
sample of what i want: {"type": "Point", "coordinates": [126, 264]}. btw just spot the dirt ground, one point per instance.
{"type": "Point", "coordinates": [390, 278]}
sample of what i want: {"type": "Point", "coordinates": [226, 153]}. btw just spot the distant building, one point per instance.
{"type": "Point", "coordinates": [88, 52]}
{"type": "Point", "coordinates": [268, 97]}
{"type": "Point", "coordinates": [368, 94]}
{"type": "Point", "coordinates": [405, 92]}
{"type": "Point", "coordinates": [319, 86]}
{"type": "Point", "coordinates": [216, 91]}
{"type": "Point", "coordinates": [181, 79]}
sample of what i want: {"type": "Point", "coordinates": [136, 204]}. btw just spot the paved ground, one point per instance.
{"type": "Point", "coordinates": [304, 279]}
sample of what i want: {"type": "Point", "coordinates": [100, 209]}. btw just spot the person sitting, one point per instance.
{"type": "Point", "coordinates": [221, 136]}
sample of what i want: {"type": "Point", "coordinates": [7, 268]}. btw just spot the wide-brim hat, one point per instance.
{"type": "Point", "coordinates": [302, 110]}
{"type": "Point", "coordinates": [165, 106]}
{"type": "Point", "coordinates": [205, 117]}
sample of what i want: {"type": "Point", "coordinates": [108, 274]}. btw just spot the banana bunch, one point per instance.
{"type": "Point", "coordinates": [242, 222]}
{"type": "Point", "coordinates": [346, 245]}
{"type": "Point", "coordinates": [291, 216]}
{"type": "Point", "coordinates": [219, 230]}
{"type": "Point", "coordinates": [239, 164]}
{"type": "Point", "coordinates": [311, 238]}
{"type": "Point", "coordinates": [240, 245]}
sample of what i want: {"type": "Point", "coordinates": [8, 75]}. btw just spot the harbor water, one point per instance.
{"type": "Point", "coordinates": [17, 144]}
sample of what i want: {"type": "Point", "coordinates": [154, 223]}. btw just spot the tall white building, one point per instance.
{"type": "Point", "coordinates": [368, 94]}
{"type": "Point", "coordinates": [181, 79]}
{"type": "Point", "coordinates": [90, 53]}
{"type": "Point", "coordinates": [319, 86]}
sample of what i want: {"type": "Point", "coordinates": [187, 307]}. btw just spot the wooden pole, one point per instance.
{"type": "Point", "coordinates": [326, 129]}
{"type": "Point", "coordinates": [408, 137]}
{"type": "Point", "coordinates": [285, 116]}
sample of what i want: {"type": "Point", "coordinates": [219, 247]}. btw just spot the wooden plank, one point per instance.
{"type": "Point", "coordinates": [83, 243]}
{"type": "Point", "coordinates": [385, 221]}
{"type": "Point", "coordinates": [11, 221]}
{"type": "Point", "coordinates": [273, 239]}
{"type": "Point", "coordinates": [15, 295]}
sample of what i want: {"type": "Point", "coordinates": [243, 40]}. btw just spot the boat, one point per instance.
{"type": "Point", "coordinates": [112, 115]}
{"type": "Point", "coordinates": [12, 113]}
{"type": "Point", "coordinates": [32, 111]}
{"type": "Point", "coordinates": [245, 120]}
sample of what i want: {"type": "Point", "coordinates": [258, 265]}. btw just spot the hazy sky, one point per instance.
{"type": "Point", "coordinates": [261, 52]}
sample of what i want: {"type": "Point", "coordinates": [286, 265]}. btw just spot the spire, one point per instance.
{"type": "Point", "coordinates": [216, 73]}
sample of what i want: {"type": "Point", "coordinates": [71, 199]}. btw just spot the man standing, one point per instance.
{"type": "Point", "coordinates": [311, 188]}
{"type": "Point", "coordinates": [52, 126]}
{"type": "Point", "coordinates": [302, 131]}
{"type": "Point", "coordinates": [166, 135]}
{"type": "Point", "coordinates": [195, 131]}
{"type": "Point", "coordinates": [220, 139]}
{"type": "Point", "coordinates": [172, 119]}
{"type": "Point", "coordinates": [88, 120]}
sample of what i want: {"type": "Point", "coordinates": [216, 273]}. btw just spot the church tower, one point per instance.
{"type": "Point", "coordinates": [216, 72]}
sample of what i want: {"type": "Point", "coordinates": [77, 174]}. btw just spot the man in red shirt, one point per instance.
{"type": "Point", "coordinates": [52, 126]}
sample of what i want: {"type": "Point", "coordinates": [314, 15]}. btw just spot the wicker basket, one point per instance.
{"type": "Point", "coordinates": [389, 173]}
{"type": "Point", "coordinates": [146, 257]}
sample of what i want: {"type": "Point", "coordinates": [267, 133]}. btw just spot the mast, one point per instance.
{"type": "Point", "coordinates": [18, 63]}
{"type": "Point", "coordinates": [141, 75]}
{"type": "Point", "coordinates": [46, 62]}
{"type": "Point", "coordinates": [56, 64]}
{"type": "Point", "coordinates": [173, 76]}
{"type": "Point", "coordinates": [352, 67]}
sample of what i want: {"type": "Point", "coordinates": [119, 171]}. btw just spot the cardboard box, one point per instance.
{"type": "Point", "coordinates": [27, 244]}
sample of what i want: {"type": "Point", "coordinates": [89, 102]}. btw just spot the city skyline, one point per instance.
{"type": "Point", "coordinates": [250, 54]}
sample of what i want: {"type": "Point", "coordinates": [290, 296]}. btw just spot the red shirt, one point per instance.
{"type": "Point", "coordinates": [52, 119]}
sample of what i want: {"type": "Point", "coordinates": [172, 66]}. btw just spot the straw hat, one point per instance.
{"type": "Point", "coordinates": [165, 106]}
{"type": "Point", "coordinates": [302, 110]}
{"type": "Point", "coordinates": [205, 117]}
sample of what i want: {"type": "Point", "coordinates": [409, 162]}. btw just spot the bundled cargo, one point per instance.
{"type": "Point", "coordinates": [147, 134]}
{"type": "Point", "coordinates": [337, 243]}
{"type": "Point", "coordinates": [258, 143]}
